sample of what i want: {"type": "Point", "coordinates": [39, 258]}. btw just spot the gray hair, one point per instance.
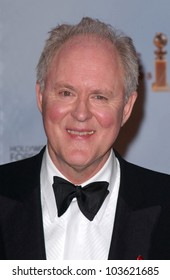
{"type": "Point", "coordinates": [123, 44]}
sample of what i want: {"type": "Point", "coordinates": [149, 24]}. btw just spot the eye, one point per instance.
{"type": "Point", "coordinates": [65, 93]}
{"type": "Point", "coordinates": [100, 97]}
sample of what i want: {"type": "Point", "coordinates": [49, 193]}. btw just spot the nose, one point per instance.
{"type": "Point", "coordinates": [81, 110]}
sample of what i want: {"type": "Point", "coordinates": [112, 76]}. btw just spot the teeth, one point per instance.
{"type": "Point", "coordinates": [80, 133]}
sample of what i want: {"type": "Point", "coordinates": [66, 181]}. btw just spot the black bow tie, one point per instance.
{"type": "Point", "coordinates": [89, 198]}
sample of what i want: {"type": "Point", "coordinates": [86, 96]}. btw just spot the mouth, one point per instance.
{"type": "Point", "coordinates": [80, 133]}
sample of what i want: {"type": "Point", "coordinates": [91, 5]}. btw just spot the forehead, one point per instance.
{"type": "Point", "coordinates": [87, 44]}
{"type": "Point", "coordinates": [86, 60]}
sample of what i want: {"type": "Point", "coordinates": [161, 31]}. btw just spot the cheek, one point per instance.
{"type": "Point", "coordinates": [54, 112]}
{"type": "Point", "coordinates": [109, 118]}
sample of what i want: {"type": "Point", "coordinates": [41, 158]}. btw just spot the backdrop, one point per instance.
{"type": "Point", "coordinates": [24, 25]}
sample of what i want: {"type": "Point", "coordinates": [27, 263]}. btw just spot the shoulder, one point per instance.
{"type": "Point", "coordinates": [18, 175]}
{"type": "Point", "coordinates": [137, 181]}
{"type": "Point", "coordinates": [139, 172]}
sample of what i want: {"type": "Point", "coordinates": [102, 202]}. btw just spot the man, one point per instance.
{"type": "Point", "coordinates": [87, 77]}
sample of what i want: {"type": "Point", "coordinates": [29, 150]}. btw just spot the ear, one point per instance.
{"type": "Point", "coordinates": [39, 96]}
{"type": "Point", "coordinates": [128, 107]}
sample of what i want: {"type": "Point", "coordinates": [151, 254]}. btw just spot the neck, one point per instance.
{"type": "Point", "coordinates": [79, 174]}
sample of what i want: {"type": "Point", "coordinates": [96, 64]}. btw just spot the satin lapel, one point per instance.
{"type": "Point", "coordinates": [23, 238]}
{"type": "Point", "coordinates": [118, 241]}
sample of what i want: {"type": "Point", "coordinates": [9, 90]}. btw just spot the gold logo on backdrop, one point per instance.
{"type": "Point", "coordinates": [160, 84]}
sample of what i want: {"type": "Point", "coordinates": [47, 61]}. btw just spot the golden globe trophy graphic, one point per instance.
{"type": "Point", "coordinates": [160, 84]}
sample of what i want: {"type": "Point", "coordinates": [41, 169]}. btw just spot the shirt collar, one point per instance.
{"type": "Point", "coordinates": [48, 171]}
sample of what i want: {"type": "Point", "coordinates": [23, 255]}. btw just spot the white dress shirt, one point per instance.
{"type": "Point", "coordinates": [72, 236]}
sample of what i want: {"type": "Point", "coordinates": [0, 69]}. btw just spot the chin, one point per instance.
{"type": "Point", "coordinates": [78, 161]}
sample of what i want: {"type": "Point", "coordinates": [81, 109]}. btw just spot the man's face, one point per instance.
{"type": "Point", "coordinates": [83, 104]}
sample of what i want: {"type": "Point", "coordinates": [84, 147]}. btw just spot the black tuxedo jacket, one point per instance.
{"type": "Point", "coordinates": [142, 222]}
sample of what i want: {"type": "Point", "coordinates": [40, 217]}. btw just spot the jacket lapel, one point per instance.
{"type": "Point", "coordinates": [22, 225]}
{"type": "Point", "coordinates": [132, 232]}
{"type": "Point", "coordinates": [134, 221]}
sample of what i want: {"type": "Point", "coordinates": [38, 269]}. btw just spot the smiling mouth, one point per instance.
{"type": "Point", "coordinates": [80, 133]}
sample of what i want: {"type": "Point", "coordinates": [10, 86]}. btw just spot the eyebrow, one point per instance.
{"type": "Point", "coordinates": [64, 85]}
{"type": "Point", "coordinates": [105, 92]}
{"type": "Point", "coordinates": [92, 91]}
